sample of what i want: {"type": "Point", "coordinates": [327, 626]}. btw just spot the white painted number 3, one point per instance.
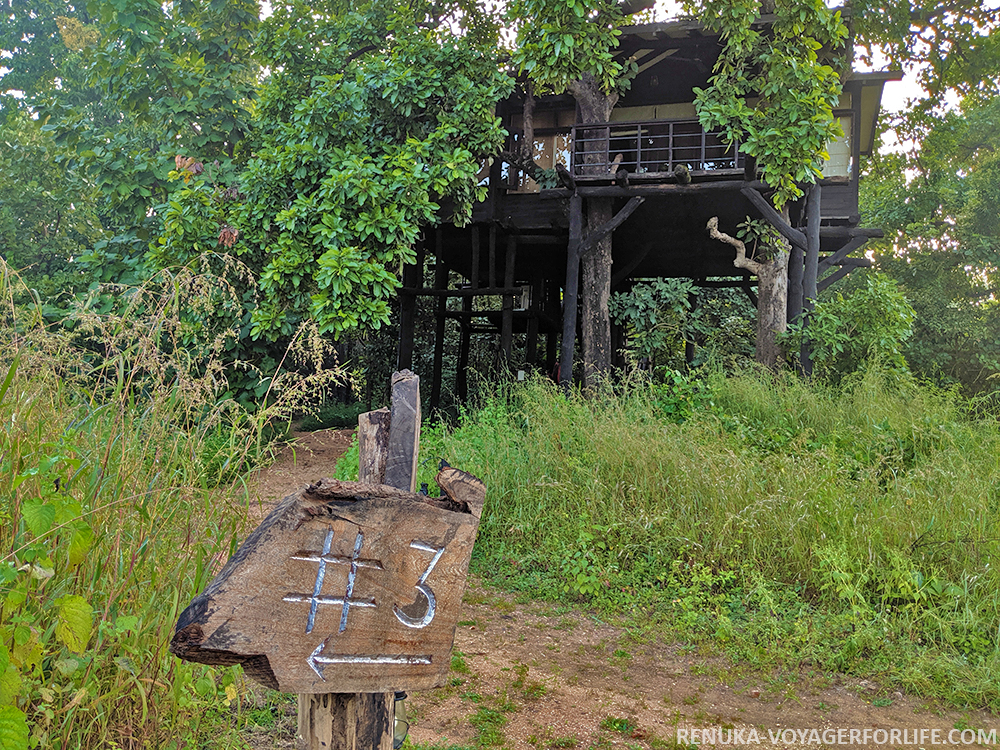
{"type": "Point", "coordinates": [423, 588]}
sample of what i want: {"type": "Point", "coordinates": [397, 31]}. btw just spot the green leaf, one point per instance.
{"type": "Point", "coordinates": [10, 685]}
{"type": "Point", "coordinates": [13, 729]}
{"type": "Point", "coordinates": [75, 622]}
{"type": "Point", "coordinates": [79, 545]}
{"type": "Point", "coordinates": [38, 516]}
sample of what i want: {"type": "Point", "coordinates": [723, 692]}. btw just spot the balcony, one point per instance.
{"type": "Point", "coordinates": [651, 150]}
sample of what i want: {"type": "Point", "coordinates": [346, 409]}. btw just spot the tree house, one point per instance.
{"type": "Point", "coordinates": [508, 272]}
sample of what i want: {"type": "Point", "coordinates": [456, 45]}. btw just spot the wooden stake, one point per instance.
{"type": "Point", "coordinates": [388, 444]}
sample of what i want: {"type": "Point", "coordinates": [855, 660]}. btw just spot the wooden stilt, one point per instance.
{"type": "Point", "coordinates": [507, 322]}
{"type": "Point", "coordinates": [440, 282]}
{"type": "Point", "coordinates": [492, 271]}
{"type": "Point", "coordinates": [571, 291]}
{"type": "Point", "coordinates": [531, 345]}
{"type": "Point", "coordinates": [474, 275]}
{"type": "Point", "coordinates": [412, 279]}
{"type": "Point", "coordinates": [462, 372]}
{"type": "Point", "coordinates": [810, 269]}
{"type": "Point", "coordinates": [795, 258]}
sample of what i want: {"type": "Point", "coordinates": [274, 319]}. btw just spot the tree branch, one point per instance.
{"type": "Point", "coordinates": [742, 261]}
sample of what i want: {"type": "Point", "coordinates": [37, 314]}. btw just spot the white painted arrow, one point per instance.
{"type": "Point", "coordinates": [317, 660]}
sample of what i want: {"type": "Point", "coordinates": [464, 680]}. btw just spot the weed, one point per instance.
{"type": "Point", "coordinates": [458, 662]}
{"type": "Point", "coordinates": [118, 446]}
{"type": "Point", "coordinates": [489, 724]}
{"type": "Point", "coordinates": [563, 743]}
{"type": "Point", "coordinates": [617, 724]}
{"type": "Point", "coordinates": [779, 522]}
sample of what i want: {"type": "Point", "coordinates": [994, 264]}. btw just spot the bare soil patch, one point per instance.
{"type": "Point", "coordinates": [528, 674]}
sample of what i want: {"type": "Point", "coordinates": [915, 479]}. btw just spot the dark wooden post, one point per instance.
{"type": "Point", "coordinates": [810, 269]}
{"type": "Point", "coordinates": [531, 344]}
{"type": "Point", "coordinates": [795, 258]}
{"type": "Point", "coordinates": [440, 283]}
{"type": "Point", "coordinates": [462, 372]}
{"type": "Point", "coordinates": [571, 291]}
{"type": "Point", "coordinates": [388, 444]}
{"type": "Point", "coordinates": [407, 316]}
{"type": "Point", "coordinates": [492, 271]}
{"type": "Point", "coordinates": [507, 322]}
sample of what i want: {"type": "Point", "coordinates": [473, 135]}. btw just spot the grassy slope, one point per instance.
{"type": "Point", "coordinates": [790, 524]}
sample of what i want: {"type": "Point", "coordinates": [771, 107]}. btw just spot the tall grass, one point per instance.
{"type": "Point", "coordinates": [113, 446]}
{"type": "Point", "coordinates": [855, 528]}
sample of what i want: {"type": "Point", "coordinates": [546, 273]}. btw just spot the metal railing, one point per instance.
{"type": "Point", "coordinates": [652, 147]}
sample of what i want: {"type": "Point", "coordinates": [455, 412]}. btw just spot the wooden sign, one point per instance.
{"type": "Point", "coordinates": [345, 587]}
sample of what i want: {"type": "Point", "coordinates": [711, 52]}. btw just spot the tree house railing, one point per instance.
{"type": "Point", "coordinates": [650, 148]}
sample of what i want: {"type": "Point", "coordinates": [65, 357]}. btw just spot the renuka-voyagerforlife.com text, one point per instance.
{"type": "Point", "coordinates": [842, 736]}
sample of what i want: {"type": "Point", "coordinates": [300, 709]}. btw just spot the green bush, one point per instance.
{"type": "Point", "coordinates": [333, 415]}
{"type": "Point", "coordinates": [844, 333]}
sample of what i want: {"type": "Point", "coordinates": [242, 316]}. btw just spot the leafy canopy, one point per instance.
{"type": "Point", "coordinates": [560, 41]}
{"type": "Point", "coordinates": [772, 89]}
{"type": "Point", "coordinates": [368, 122]}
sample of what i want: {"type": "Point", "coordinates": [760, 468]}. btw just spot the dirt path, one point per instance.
{"type": "Point", "coordinates": [529, 675]}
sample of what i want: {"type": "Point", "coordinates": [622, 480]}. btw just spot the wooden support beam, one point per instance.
{"type": "Point", "coordinates": [596, 235]}
{"type": "Point", "coordinates": [773, 218]}
{"type": "Point", "coordinates": [481, 292]}
{"type": "Point", "coordinates": [571, 291]}
{"type": "Point", "coordinates": [507, 326]}
{"type": "Point", "coordinates": [474, 274]}
{"type": "Point", "coordinates": [810, 270]}
{"type": "Point", "coordinates": [440, 282]}
{"type": "Point", "coordinates": [614, 191]}
{"type": "Point", "coordinates": [795, 260]}
{"type": "Point", "coordinates": [534, 308]}
{"type": "Point", "coordinates": [464, 344]}
{"type": "Point", "coordinates": [811, 260]}
{"type": "Point", "coordinates": [834, 277]}
{"type": "Point", "coordinates": [835, 260]}
{"type": "Point", "coordinates": [492, 271]}
{"type": "Point", "coordinates": [850, 232]}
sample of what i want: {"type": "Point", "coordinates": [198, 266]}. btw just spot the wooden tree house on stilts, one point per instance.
{"type": "Point", "coordinates": [514, 273]}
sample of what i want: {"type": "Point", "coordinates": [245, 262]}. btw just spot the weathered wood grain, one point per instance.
{"type": "Point", "coordinates": [346, 721]}
{"type": "Point", "coordinates": [404, 431]}
{"type": "Point", "coordinates": [409, 563]}
{"type": "Point", "coordinates": [373, 445]}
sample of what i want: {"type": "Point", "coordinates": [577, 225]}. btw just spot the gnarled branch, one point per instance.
{"type": "Point", "coordinates": [742, 261]}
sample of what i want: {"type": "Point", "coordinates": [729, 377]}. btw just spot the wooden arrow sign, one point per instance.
{"type": "Point", "coordinates": [344, 587]}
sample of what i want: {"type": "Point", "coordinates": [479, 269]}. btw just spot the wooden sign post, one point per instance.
{"type": "Point", "coordinates": [348, 591]}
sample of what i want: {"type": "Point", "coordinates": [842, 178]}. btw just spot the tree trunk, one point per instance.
{"type": "Point", "coordinates": [772, 304]}
{"type": "Point", "coordinates": [772, 291]}
{"type": "Point", "coordinates": [595, 322]}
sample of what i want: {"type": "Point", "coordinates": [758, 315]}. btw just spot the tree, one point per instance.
{"type": "Point", "coordinates": [569, 46]}
{"type": "Point", "coordinates": [785, 131]}
{"type": "Point", "coordinates": [47, 216]}
{"type": "Point", "coordinates": [938, 205]}
{"type": "Point", "coordinates": [368, 121]}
